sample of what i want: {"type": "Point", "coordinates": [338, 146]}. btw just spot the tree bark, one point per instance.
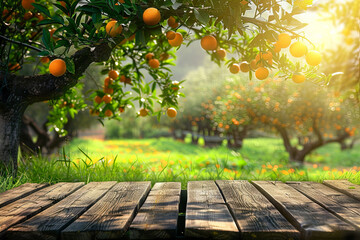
{"type": "Point", "coordinates": [10, 126]}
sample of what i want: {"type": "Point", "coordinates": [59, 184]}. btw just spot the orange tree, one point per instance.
{"type": "Point", "coordinates": [127, 38]}
{"type": "Point", "coordinates": [305, 120]}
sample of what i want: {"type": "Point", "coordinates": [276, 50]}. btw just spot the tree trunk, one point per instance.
{"type": "Point", "coordinates": [10, 126]}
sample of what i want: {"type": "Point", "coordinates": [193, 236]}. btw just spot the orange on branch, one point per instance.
{"type": "Point", "coordinates": [28, 15]}
{"type": "Point", "coordinates": [177, 41]}
{"type": "Point", "coordinates": [108, 113]}
{"type": "Point", "coordinates": [57, 67]}
{"type": "Point", "coordinates": [154, 63]}
{"type": "Point", "coordinates": [298, 77]}
{"type": "Point", "coordinates": [234, 68]}
{"type": "Point", "coordinates": [143, 112]}
{"type": "Point", "coordinates": [151, 16]}
{"type": "Point", "coordinates": [244, 66]}
{"type": "Point", "coordinates": [209, 43]}
{"type": "Point", "coordinates": [113, 29]}
{"type": "Point", "coordinates": [253, 64]}
{"type": "Point", "coordinates": [27, 4]}
{"type": "Point", "coordinates": [221, 53]}
{"type": "Point", "coordinates": [284, 40]}
{"type": "Point", "coordinates": [261, 73]}
{"type": "Point", "coordinates": [171, 112]}
{"type": "Point", "coordinates": [121, 109]}
{"type": "Point", "coordinates": [107, 98]}
{"type": "Point", "coordinates": [98, 99]}
{"type": "Point", "coordinates": [170, 35]}
{"type": "Point", "coordinates": [172, 22]}
{"type": "Point", "coordinates": [164, 56]}
{"type": "Point", "coordinates": [313, 58]}
{"type": "Point", "coordinates": [298, 49]}
{"type": "Point", "coordinates": [113, 74]}
{"type": "Point", "coordinates": [108, 81]}
{"type": "Point", "coordinates": [44, 60]}
{"type": "Point", "coordinates": [149, 56]}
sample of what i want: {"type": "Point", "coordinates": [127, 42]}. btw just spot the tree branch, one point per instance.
{"type": "Point", "coordinates": [30, 89]}
{"type": "Point", "coordinates": [20, 43]}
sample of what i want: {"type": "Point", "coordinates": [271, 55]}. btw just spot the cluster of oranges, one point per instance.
{"type": "Point", "coordinates": [108, 90]}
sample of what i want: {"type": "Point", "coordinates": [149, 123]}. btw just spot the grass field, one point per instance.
{"type": "Point", "coordinates": [168, 160]}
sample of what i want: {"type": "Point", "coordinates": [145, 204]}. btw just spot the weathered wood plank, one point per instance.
{"type": "Point", "coordinates": [110, 217]}
{"type": "Point", "coordinates": [26, 207]}
{"type": "Point", "coordinates": [24, 190]}
{"type": "Point", "coordinates": [254, 214]}
{"type": "Point", "coordinates": [345, 187]}
{"type": "Point", "coordinates": [207, 215]}
{"type": "Point", "coordinates": [343, 206]}
{"type": "Point", "coordinates": [311, 219]}
{"type": "Point", "coordinates": [157, 218]}
{"type": "Point", "coordinates": [48, 224]}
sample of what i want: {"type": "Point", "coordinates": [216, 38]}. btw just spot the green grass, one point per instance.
{"type": "Point", "coordinates": [164, 159]}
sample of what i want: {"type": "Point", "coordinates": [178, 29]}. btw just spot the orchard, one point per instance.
{"type": "Point", "coordinates": [47, 46]}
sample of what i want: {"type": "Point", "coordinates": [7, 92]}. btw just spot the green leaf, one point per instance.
{"type": "Point", "coordinates": [202, 16]}
{"type": "Point", "coordinates": [46, 40]}
{"type": "Point", "coordinates": [70, 66]}
{"type": "Point", "coordinates": [42, 9]}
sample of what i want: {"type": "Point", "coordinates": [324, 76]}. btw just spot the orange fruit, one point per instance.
{"type": "Point", "coordinates": [108, 113]}
{"type": "Point", "coordinates": [143, 112]}
{"type": "Point", "coordinates": [57, 67]}
{"type": "Point", "coordinates": [98, 99]}
{"type": "Point", "coordinates": [28, 15]}
{"type": "Point", "coordinates": [175, 85]}
{"type": "Point", "coordinates": [277, 48]}
{"type": "Point", "coordinates": [172, 22]}
{"type": "Point", "coordinates": [113, 74]}
{"type": "Point", "coordinates": [27, 4]}
{"type": "Point", "coordinates": [112, 29]}
{"type": "Point", "coordinates": [52, 31]}
{"type": "Point", "coordinates": [164, 56]}
{"type": "Point", "coordinates": [122, 78]}
{"type": "Point", "coordinates": [244, 66]}
{"type": "Point", "coordinates": [221, 53]}
{"type": "Point", "coordinates": [128, 80]}
{"type": "Point", "coordinates": [298, 49]}
{"type": "Point", "coordinates": [154, 63]}
{"type": "Point", "coordinates": [107, 98]}
{"type": "Point", "coordinates": [108, 90]}
{"type": "Point", "coordinates": [44, 60]}
{"type": "Point", "coordinates": [313, 58]}
{"type": "Point", "coordinates": [253, 64]}
{"type": "Point", "coordinates": [177, 41]}
{"type": "Point", "coordinates": [261, 73]}
{"type": "Point", "coordinates": [39, 17]}
{"type": "Point", "coordinates": [209, 43]}
{"type": "Point", "coordinates": [121, 109]}
{"type": "Point", "coordinates": [149, 56]}
{"type": "Point", "coordinates": [284, 40]}
{"type": "Point", "coordinates": [108, 81]}
{"type": "Point", "coordinates": [234, 68]}
{"type": "Point", "coordinates": [171, 112]}
{"type": "Point", "coordinates": [267, 56]}
{"type": "Point", "coordinates": [298, 77]}
{"type": "Point", "coordinates": [170, 35]}
{"type": "Point", "coordinates": [151, 16]}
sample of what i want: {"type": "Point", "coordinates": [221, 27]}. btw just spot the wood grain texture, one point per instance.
{"type": "Point", "coordinates": [311, 219]}
{"type": "Point", "coordinates": [343, 206]}
{"type": "Point", "coordinates": [26, 207]}
{"type": "Point", "coordinates": [157, 218]}
{"type": "Point", "coordinates": [24, 190]}
{"type": "Point", "coordinates": [345, 187]}
{"type": "Point", "coordinates": [49, 223]}
{"type": "Point", "coordinates": [255, 215]}
{"type": "Point", "coordinates": [110, 217]}
{"type": "Point", "coordinates": [207, 215]}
